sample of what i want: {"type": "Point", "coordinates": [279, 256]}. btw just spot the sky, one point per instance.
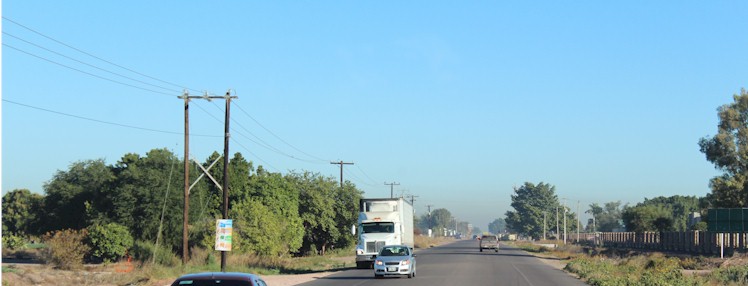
{"type": "Point", "coordinates": [457, 101]}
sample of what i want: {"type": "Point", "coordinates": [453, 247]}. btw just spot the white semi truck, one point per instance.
{"type": "Point", "coordinates": [382, 222]}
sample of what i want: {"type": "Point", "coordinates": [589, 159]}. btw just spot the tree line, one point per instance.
{"type": "Point", "coordinates": [727, 150]}
{"type": "Point", "coordinates": [142, 197]}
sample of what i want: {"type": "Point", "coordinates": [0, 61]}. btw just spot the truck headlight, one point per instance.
{"type": "Point", "coordinates": [359, 251]}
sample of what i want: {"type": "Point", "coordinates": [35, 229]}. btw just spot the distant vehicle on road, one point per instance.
{"type": "Point", "coordinates": [395, 260]}
{"type": "Point", "coordinates": [489, 241]}
{"type": "Point", "coordinates": [219, 278]}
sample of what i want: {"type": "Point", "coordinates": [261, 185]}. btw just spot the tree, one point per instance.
{"type": "Point", "coordinates": [441, 219]}
{"type": "Point", "coordinates": [643, 218]}
{"type": "Point", "coordinates": [530, 201]}
{"type": "Point", "coordinates": [21, 212]}
{"type": "Point", "coordinates": [662, 213]}
{"type": "Point", "coordinates": [69, 191]}
{"type": "Point", "coordinates": [317, 211]}
{"type": "Point", "coordinates": [607, 218]}
{"type": "Point", "coordinates": [497, 226]}
{"type": "Point", "coordinates": [728, 151]}
{"type": "Point", "coordinates": [142, 188]}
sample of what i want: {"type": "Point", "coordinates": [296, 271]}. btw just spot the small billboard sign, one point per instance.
{"type": "Point", "coordinates": [224, 230]}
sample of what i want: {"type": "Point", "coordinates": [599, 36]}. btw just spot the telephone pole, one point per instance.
{"type": "Point", "coordinates": [412, 199]}
{"type": "Point", "coordinates": [341, 163]}
{"type": "Point", "coordinates": [392, 189]}
{"type": "Point", "coordinates": [185, 231]}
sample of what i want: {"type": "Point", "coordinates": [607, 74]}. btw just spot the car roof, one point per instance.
{"type": "Point", "coordinates": [219, 275]}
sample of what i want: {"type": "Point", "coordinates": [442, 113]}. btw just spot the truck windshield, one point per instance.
{"type": "Point", "coordinates": [378, 227]}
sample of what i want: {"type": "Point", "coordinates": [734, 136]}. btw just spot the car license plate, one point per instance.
{"type": "Point", "coordinates": [392, 269]}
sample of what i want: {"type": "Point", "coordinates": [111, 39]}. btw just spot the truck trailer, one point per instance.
{"type": "Point", "coordinates": [382, 222]}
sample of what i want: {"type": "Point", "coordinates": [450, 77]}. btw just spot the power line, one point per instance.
{"type": "Point", "coordinates": [104, 122]}
{"type": "Point", "coordinates": [278, 137]}
{"type": "Point", "coordinates": [90, 65]}
{"type": "Point", "coordinates": [93, 56]}
{"type": "Point", "coordinates": [85, 72]}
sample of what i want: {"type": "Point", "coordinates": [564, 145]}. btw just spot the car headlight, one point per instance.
{"type": "Point", "coordinates": [378, 262]}
{"type": "Point", "coordinates": [405, 262]}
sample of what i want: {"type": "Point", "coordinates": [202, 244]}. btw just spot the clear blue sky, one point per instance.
{"type": "Point", "coordinates": [458, 101]}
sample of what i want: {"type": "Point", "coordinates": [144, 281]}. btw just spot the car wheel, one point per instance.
{"type": "Point", "coordinates": [497, 250]}
{"type": "Point", "coordinates": [377, 276]}
{"type": "Point", "coordinates": [410, 275]}
{"type": "Point", "coordinates": [481, 249]}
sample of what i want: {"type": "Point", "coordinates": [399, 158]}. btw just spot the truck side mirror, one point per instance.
{"type": "Point", "coordinates": [353, 229]}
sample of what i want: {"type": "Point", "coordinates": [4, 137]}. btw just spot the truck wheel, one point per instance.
{"type": "Point", "coordinates": [361, 265]}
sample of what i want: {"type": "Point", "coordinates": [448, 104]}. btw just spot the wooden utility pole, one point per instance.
{"type": "Point", "coordinates": [185, 231]}
{"type": "Point", "coordinates": [341, 163]}
{"type": "Point", "coordinates": [226, 170]}
{"type": "Point", "coordinates": [392, 189]}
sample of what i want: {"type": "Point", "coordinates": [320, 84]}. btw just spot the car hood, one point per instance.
{"type": "Point", "coordinates": [392, 258]}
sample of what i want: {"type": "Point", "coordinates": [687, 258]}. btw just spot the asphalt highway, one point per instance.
{"type": "Point", "coordinates": [461, 263]}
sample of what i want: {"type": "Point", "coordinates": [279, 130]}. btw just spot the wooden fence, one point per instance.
{"type": "Point", "coordinates": [694, 242]}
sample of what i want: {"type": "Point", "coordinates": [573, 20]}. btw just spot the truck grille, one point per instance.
{"type": "Point", "coordinates": [374, 246]}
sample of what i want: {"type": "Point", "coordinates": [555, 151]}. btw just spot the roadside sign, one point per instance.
{"type": "Point", "coordinates": [224, 230]}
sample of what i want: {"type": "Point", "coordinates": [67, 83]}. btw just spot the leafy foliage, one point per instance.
{"type": "Point", "coordinates": [530, 201]}
{"type": "Point", "coordinates": [20, 212]}
{"type": "Point", "coordinates": [497, 226]}
{"type": "Point", "coordinates": [13, 242]}
{"type": "Point", "coordinates": [661, 214]}
{"type": "Point", "coordinates": [68, 192]}
{"type": "Point", "coordinates": [109, 242]}
{"type": "Point", "coordinates": [607, 218]}
{"type": "Point", "coordinates": [66, 248]}
{"type": "Point", "coordinates": [728, 151]}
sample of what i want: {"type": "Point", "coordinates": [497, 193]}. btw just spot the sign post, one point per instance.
{"type": "Point", "coordinates": [224, 231]}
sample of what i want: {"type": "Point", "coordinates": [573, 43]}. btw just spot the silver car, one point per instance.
{"type": "Point", "coordinates": [395, 260]}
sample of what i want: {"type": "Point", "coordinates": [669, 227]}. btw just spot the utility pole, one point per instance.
{"type": "Point", "coordinates": [544, 224]}
{"type": "Point", "coordinates": [557, 233]}
{"type": "Point", "coordinates": [226, 171]}
{"type": "Point", "coordinates": [412, 199]}
{"type": "Point", "coordinates": [564, 221]}
{"type": "Point", "coordinates": [392, 189]}
{"type": "Point", "coordinates": [185, 217]}
{"type": "Point", "coordinates": [341, 163]}
{"type": "Point", "coordinates": [429, 208]}
{"type": "Point", "coordinates": [577, 222]}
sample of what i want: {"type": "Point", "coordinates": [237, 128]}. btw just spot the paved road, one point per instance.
{"type": "Point", "coordinates": [460, 263]}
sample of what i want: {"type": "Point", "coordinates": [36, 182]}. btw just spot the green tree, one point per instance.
{"type": "Point", "coordinates": [728, 151]}
{"type": "Point", "coordinates": [530, 201]}
{"type": "Point", "coordinates": [649, 217]}
{"type": "Point", "coordinates": [497, 226]}
{"type": "Point", "coordinates": [69, 191]}
{"type": "Point", "coordinates": [109, 242]}
{"type": "Point", "coordinates": [662, 213]}
{"type": "Point", "coordinates": [21, 212]}
{"type": "Point", "coordinates": [607, 218]}
{"type": "Point", "coordinates": [144, 186]}
{"type": "Point", "coordinates": [317, 211]}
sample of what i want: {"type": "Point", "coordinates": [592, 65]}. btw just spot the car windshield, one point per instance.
{"type": "Point", "coordinates": [394, 251]}
{"type": "Point", "coordinates": [378, 227]}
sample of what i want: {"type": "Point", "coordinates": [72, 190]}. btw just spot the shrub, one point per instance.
{"type": "Point", "coordinates": [13, 242]}
{"type": "Point", "coordinates": [143, 251]}
{"type": "Point", "coordinates": [109, 242]}
{"type": "Point", "coordinates": [66, 248]}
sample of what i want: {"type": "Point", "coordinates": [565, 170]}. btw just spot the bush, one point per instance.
{"type": "Point", "coordinates": [66, 248]}
{"type": "Point", "coordinates": [13, 242]}
{"type": "Point", "coordinates": [109, 242]}
{"type": "Point", "coordinates": [143, 251]}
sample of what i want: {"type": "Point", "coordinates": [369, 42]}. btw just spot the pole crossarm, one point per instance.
{"type": "Point", "coordinates": [205, 172]}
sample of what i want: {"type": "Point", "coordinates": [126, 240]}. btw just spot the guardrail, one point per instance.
{"type": "Point", "coordinates": [693, 242]}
